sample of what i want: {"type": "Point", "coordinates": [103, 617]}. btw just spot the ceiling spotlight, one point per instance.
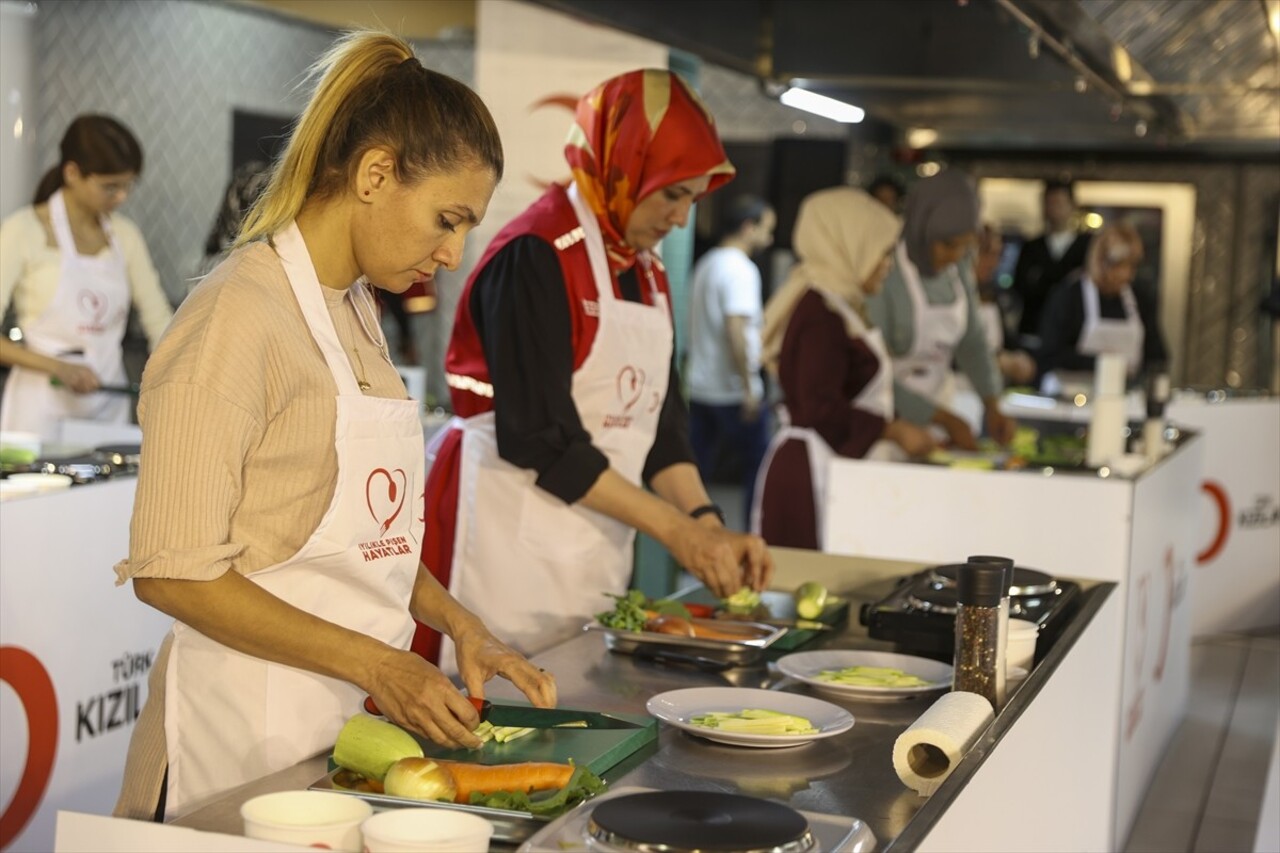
{"type": "Point", "coordinates": [1033, 45]}
{"type": "Point", "coordinates": [928, 170]}
{"type": "Point", "coordinates": [1140, 128]}
{"type": "Point", "coordinates": [1081, 85]}
{"type": "Point", "coordinates": [921, 137]}
{"type": "Point", "coordinates": [803, 99]}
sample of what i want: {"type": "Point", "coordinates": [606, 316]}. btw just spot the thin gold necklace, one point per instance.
{"type": "Point", "coordinates": [361, 380]}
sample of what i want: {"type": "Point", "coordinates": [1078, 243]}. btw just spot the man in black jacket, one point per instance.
{"type": "Point", "coordinates": [1048, 259]}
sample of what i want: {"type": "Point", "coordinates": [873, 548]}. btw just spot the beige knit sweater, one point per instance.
{"type": "Point", "coordinates": [238, 464]}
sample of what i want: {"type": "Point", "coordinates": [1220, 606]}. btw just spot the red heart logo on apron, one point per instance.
{"type": "Point", "coordinates": [630, 386]}
{"type": "Point", "coordinates": [93, 305]}
{"type": "Point", "coordinates": [389, 507]}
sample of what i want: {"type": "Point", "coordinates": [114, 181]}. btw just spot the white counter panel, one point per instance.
{"type": "Point", "coordinates": [75, 651]}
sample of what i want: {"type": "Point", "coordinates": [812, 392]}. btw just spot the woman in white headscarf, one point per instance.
{"type": "Point", "coordinates": [835, 374]}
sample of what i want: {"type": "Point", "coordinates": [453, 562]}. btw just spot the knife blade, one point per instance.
{"type": "Point", "coordinates": [529, 717]}
{"type": "Point", "coordinates": [526, 716]}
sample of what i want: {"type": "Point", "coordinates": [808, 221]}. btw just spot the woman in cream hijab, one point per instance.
{"type": "Point", "coordinates": [833, 368]}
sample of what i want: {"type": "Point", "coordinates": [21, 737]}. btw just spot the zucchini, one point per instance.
{"type": "Point", "coordinates": [811, 599]}
{"type": "Point", "coordinates": [370, 746]}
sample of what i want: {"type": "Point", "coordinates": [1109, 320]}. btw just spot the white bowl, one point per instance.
{"type": "Point", "coordinates": [426, 831]}
{"type": "Point", "coordinates": [307, 818]}
{"type": "Point", "coordinates": [41, 482]}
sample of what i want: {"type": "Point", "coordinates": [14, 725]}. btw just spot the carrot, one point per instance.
{"type": "Point", "coordinates": [525, 777]}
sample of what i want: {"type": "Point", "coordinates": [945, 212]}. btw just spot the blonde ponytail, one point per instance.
{"type": "Point", "coordinates": [372, 91]}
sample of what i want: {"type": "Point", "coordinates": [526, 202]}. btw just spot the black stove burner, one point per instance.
{"type": "Point", "coordinates": [919, 614]}
{"type": "Point", "coordinates": [1025, 581]}
{"type": "Point", "coordinates": [934, 600]}
{"type": "Point", "coordinates": [674, 821]}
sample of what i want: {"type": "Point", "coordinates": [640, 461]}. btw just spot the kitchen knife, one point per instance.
{"type": "Point", "coordinates": [526, 716]}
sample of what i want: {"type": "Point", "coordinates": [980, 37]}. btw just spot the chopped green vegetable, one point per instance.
{"type": "Point", "coordinates": [629, 613]}
{"type": "Point", "coordinates": [743, 602]}
{"type": "Point", "coordinates": [487, 731]}
{"type": "Point", "coordinates": [871, 676]}
{"type": "Point", "coordinates": [667, 607]}
{"type": "Point", "coordinates": [755, 721]}
{"type": "Point", "coordinates": [583, 784]}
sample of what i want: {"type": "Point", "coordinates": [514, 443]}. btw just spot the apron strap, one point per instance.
{"type": "Point", "coordinates": [295, 258]}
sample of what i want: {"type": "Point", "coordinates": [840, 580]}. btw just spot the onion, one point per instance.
{"type": "Point", "coordinates": [419, 779]}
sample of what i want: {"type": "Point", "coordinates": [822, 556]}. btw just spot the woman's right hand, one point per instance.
{"type": "Point", "coordinates": [958, 432]}
{"type": "Point", "coordinates": [415, 694]}
{"type": "Point", "coordinates": [77, 377]}
{"type": "Point", "coordinates": [915, 441]}
{"type": "Point", "coordinates": [724, 560]}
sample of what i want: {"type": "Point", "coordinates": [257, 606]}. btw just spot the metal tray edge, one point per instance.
{"type": "Point", "coordinates": [508, 826]}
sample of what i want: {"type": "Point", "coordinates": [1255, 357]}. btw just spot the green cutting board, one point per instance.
{"type": "Point", "coordinates": [597, 749]}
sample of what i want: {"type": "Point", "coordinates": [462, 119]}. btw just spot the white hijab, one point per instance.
{"type": "Point", "coordinates": [841, 234]}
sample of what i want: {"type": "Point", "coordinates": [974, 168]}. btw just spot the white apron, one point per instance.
{"type": "Point", "coordinates": [926, 369]}
{"type": "Point", "coordinates": [85, 322]}
{"type": "Point", "coordinates": [534, 569]}
{"type": "Point", "coordinates": [231, 717]}
{"type": "Point", "coordinates": [875, 397]}
{"type": "Point", "coordinates": [1106, 335]}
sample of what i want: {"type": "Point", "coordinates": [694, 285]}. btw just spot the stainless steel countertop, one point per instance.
{"type": "Point", "coordinates": [851, 774]}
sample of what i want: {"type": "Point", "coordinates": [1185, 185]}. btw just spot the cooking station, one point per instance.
{"type": "Point", "coordinates": [848, 781]}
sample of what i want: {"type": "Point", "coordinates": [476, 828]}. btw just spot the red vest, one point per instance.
{"type": "Point", "coordinates": [551, 219]}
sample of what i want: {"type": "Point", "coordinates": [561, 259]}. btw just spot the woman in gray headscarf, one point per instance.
{"type": "Point", "coordinates": [928, 312]}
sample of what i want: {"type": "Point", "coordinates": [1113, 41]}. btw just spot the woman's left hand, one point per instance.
{"type": "Point", "coordinates": [999, 426]}
{"type": "Point", "coordinates": [724, 560]}
{"type": "Point", "coordinates": [481, 656]}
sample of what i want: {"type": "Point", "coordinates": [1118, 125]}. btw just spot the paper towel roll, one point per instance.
{"type": "Point", "coordinates": [925, 754]}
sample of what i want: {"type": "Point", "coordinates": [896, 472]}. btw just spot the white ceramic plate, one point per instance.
{"type": "Point", "coordinates": [679, 707]}
{"type": "Point", "coordinates": [806, 666]}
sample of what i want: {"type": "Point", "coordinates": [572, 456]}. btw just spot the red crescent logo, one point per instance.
{"type": "Point", "coordinates": [389, 507]}
{"type": "Point", "coordinates": [1219, 495]}
{"type": "Point", "coordinates": [22, 671]}
{"type": "Point", "coordinates": [563, 101]}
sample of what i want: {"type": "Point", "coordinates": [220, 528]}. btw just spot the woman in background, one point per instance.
{"type": "Point", "coordinates": [1100, 311]}
{"type": "Point", "coordinates": [928, 312]}
{"type": "Point", "coordinates": [72, 267]}
{"type": "Point", "coordinates": [836, 376]}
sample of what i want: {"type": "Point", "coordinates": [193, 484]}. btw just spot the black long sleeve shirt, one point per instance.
{"type": "Point", "coordinates": [521, 314]}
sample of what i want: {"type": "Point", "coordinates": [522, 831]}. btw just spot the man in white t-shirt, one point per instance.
{"type": "Point", "coordinates": [726, 392]}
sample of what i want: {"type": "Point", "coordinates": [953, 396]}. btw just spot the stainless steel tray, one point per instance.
{"type": "Point", "coordinates": [756, 638]}
{"type": "Point", "coordinates": [508, 826]}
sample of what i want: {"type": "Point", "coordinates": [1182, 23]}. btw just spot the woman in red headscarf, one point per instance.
{"type": "Point", "coordinates": [561, 362]}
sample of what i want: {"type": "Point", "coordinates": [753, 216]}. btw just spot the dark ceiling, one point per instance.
{"type": "Point", "coordinates": [1009, 74]}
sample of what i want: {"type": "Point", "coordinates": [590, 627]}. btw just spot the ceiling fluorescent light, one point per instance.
{"type": "Point", "coordinates": [803, 99]}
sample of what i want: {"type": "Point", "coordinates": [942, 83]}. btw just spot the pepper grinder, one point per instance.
{"type": "Point", "coordinates": [979, 657]}
{"type": "Point", "coordinates": [1006, 564]}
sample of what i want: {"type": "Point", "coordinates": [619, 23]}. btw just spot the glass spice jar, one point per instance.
{"type": "Point", "coordinates": [979, 657]}
{"type": "Point", "coordinates": [1007, 564]}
